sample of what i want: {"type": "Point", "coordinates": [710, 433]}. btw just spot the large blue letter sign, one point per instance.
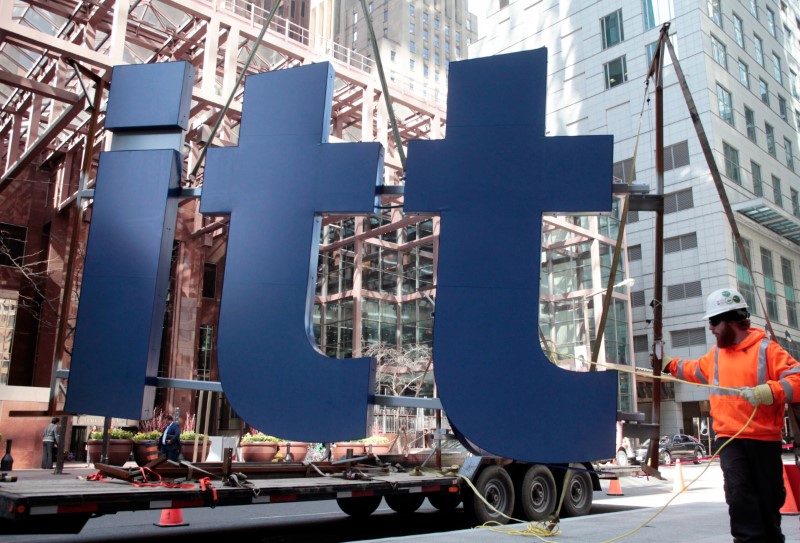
{"type": "Point", "coordinates": [126, 273]}
{"type": "Point", "coordinates": [491, 179]}
{"type": "Point", "coordinates": [275, 185]}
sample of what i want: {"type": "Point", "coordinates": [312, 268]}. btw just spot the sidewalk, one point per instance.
{"type": "Point", "coordinates": [697, 515]}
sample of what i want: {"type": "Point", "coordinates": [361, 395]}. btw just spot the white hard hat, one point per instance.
{"type": "Point", "coordinates": [724, 300]}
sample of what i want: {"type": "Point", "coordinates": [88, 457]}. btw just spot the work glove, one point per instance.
{"type": "Point", "coordinates": [757, 395]}
{"type": "Point", "coordinates": [664, 363]}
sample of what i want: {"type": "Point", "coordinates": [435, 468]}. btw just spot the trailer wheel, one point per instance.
{"type": "Point", "coordinates": [537, 493]}
{"type": "Point", "coordinates": [578, 498]}
{"type": "Point", "coordinates": [444, 502]}
{"type": "Point", "coordinates": [359, 507]}
{"type": "Point", "coordinates": [495, 485]}
{"type": "Point", "coordinates": [404, 503]}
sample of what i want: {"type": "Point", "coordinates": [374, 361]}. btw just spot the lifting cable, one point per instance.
{"type": "Point", "coordinates": [714, 170]}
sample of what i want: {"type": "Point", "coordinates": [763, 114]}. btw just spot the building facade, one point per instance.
{"type": "Point", "coordinates": [739, 61]}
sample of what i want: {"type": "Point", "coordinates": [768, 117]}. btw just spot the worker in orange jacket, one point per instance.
{"type": "Point", "coordinates": [752, 372]}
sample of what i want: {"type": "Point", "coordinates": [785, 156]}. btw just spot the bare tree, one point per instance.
{"type": "Point", "coordinates": [401, 371]}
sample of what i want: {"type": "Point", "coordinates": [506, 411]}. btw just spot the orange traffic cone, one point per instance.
{"type": "Point", "coordinates": [614, 488]}
{"type": "Point", "coordinates": [170, 518]}
{"type": "Point", "coordinates": [679, 485]}
{"type": "Point", "coordinates": [790, 505]}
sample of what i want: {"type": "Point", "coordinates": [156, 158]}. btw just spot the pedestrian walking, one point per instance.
{"type": "Point", "coordinates": [50, 443]}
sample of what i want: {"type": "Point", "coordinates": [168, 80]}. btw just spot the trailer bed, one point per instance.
{"type": "Point", "coordinates": [33, 502]}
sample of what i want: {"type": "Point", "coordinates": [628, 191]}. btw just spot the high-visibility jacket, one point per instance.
{"type": "Point", "coordinates": [754, 361]}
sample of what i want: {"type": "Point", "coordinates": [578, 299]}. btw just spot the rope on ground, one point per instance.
{"type": "Point", "coordinates": [675, 495]}
{"type": "Point", "coordinates": [538, 529]}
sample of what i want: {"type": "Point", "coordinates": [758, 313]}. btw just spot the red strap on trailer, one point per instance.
{"type": "Point", "coordinates": [205, 484]}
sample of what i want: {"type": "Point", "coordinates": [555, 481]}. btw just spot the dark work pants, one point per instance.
{"type": "Point", "coordinates": [48, 448]}
{"type": "Point", "coordinates": [754, 491]}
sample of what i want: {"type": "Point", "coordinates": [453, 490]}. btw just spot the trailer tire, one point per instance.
{"type": "Point", "coordinates": [444, 502]}
{"type": "Point", "coordinates": [404, 503]}
{"type": "Point", "coordinates": [537, 496]}
{"type": "Point", "coordinates": [495, 485]}
{"type": "Point", "coordinates": [362, 506]}
{"type": "Point", "coordinates": [578, 498]}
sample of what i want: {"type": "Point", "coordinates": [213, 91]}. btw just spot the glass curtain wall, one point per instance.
{"type": "Point", "coordinates": [376, 284]}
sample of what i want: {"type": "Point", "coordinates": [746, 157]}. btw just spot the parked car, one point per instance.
{"type": "Point", "coordinates": [672, 447]}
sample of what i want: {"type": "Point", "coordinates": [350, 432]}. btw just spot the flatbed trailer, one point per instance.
{"type": "Point", "coordinates": [62, 504]}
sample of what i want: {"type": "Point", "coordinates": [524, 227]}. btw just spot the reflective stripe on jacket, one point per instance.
{"type": "Point", "coordinates": [754, 361]}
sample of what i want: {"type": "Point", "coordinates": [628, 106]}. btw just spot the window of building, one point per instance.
{"type": "Point", "coordinates": [425, 53]}
{"type": "Point", "coordinates": [458, 36]}
{"type": "Point", "coordinates": [714, 12]}
{"type": "Point", "coordinates": [758, 182]}
{"type": "Point", "coordinates": [446, 31]}
{"type": "Point", "coordinates": [412, 10]}
{"type": "Point", "coordinates": [611, 28]}
{"type": "Point", "coordinates": [738, 30]}
{"type": "Point", "coordinates": [725, 104]}
{"type": "Point", "coordinates": [771, 22]}
{"type": "Point", "coordinates": [769, 284]}
{"type": "Point", "coordinates": [650, 52]}
{"type": "Point", "coordinates": [436, 40]}
{"type": "Point", "coordinates": [783, 109]}
{"type": "Point", "coordinates": [637, 298]}
{"type": "Point", "coordinates": [744, 281]}
{"type": "Point", "coordinates": [411, 46]}
{"type": "Point", "coordinates": [379, 321]}
{"type": "Point", "coordinates": [795, 202]}
{"type": "Point", "coordinates": [12, 243]}
{"type": "Point", "coordinates": [732, 169]}
{"type": "Point", "coordinates": [744, 74]}
{"type": "Point", "coordinates": [750, 123]}
{"type": "Point", "coordinates": [204, 349]}
{"type": "Point", "coordinates": [754, 8]}
{"type": "Point", "coordinates": [676, 155]}
{"type": "Point", "coordinates": [436, 57]}
{"type": "Point", "coordinates": [719, 53]}
{"type": "Point", "coordinates": [764, 90]}
{"type": "Point", "coordinates": [385, 15]}
{"type": "Point", "coordinates": [424, 16]}
{"type": "Point", "coordinates": [788, 292]}
{"type": "Point", "coordinates": [777, 193]}
{"type": "Point", "coordinates": [616, 72]}
{"type": "Point", "coordinates": [776, 68]}
{"type": "Point", "coordinates": [8, 318]}
{"type": "Point", "coordinates": [684, 291]}
{"type": "Point", "coordinates": [411, 28]}
{"type": "Point", "coordinates": [209, 280]}
{"type": "Point", "coordinates": [641, 344]}
{"type": "Point", "coordinates": [680, 243]}
{"type": "Point", "coordinates": [787, 146]}
{"type": "Point", "coordinates": [424, 35]}
{"type": "Point", "coordinates": [624, 170]}
{"type": "Point", "coordinates": [688, 338]}
{"type": "Point", "coordinates": [436, 23]}
{"type": "Point", "coordinates": [634, 253]}
{"type": "Point", "coordinates": [759, 48]}
{"type": "Point", "coordinates": [355, 15]}
{"type": "Point", "coordinates": [648, 14]}
{"type": "Point", "coordinates": [411, 64]}
{"type": "Point", "coordinates": [793, 84]}
{"type": "Point", "coordinates": [678, 201]}
{"type": "Point", "coordinates": [770, 138]}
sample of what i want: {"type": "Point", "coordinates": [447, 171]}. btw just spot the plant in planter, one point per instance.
{"type": "Point", "coordinates": [193, 444]}
{"type": "Point", "coordinates": [145, 447]}
{"type": "Point", "coordinates": [258, 447]}
{"type": "Point", "coordinates": [376, 444]}
{"type": "Point", "coordinates": [119, 446]}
